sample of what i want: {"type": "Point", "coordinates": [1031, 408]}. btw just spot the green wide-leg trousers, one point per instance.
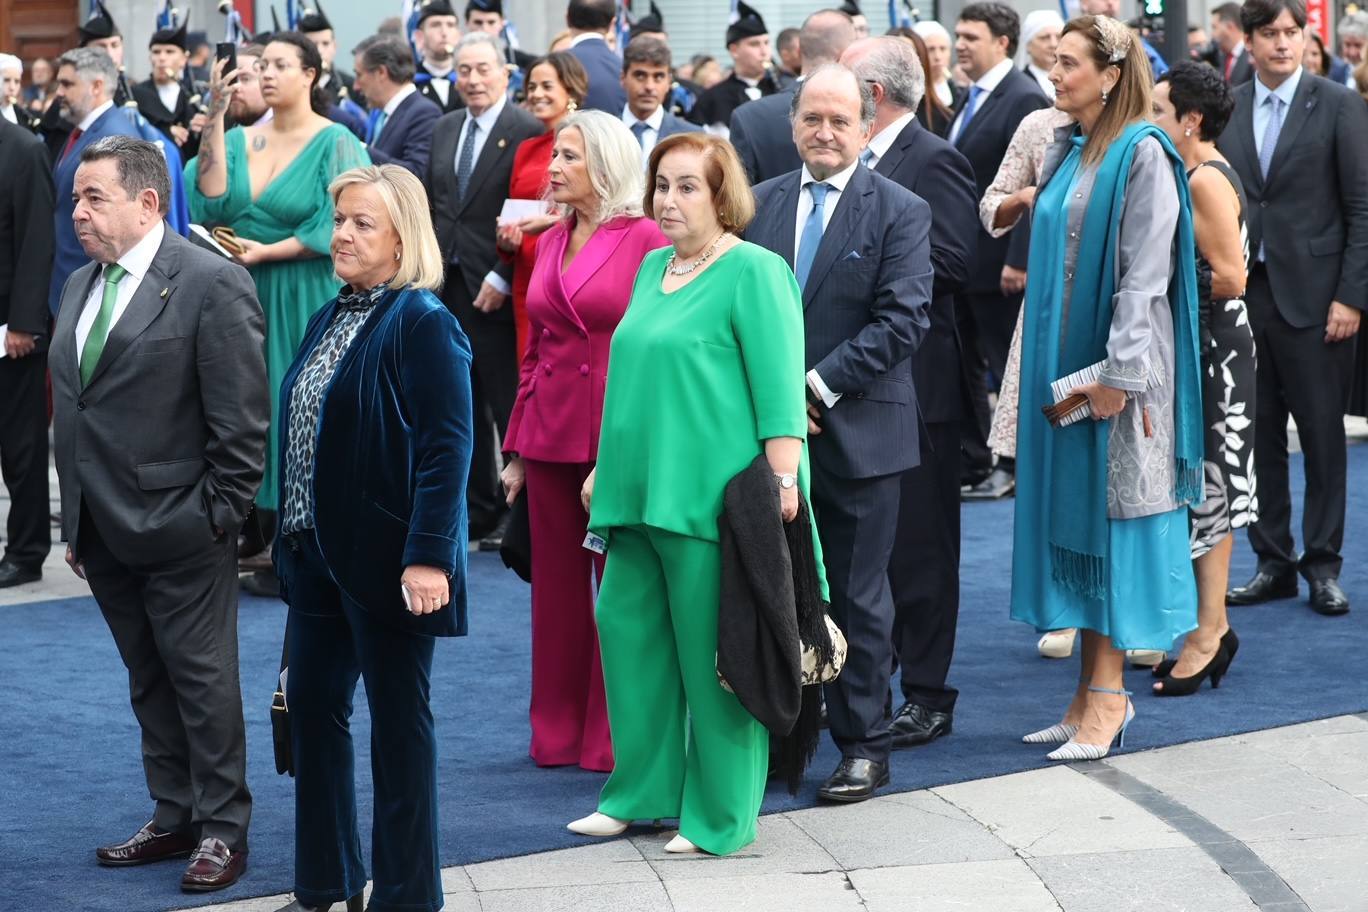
{"type": "Point", "coordinates": [683, 747]}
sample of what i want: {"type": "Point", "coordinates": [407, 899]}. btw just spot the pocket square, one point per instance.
{"type": "Point", "coordinates": [853, 255]}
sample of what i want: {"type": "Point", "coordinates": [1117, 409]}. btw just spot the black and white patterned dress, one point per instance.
{"type": "Point", "coordinates": [1228, 360]}
{"type": "Point", "coordinates": [306, 402]}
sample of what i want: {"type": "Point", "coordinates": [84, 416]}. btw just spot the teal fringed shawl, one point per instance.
{"type": "Point", "coordinates": [1077, 455]}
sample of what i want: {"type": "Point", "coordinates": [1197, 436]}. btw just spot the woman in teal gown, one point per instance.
{"type": "Point", "coordinates": [269, 183]}
{"type": "Point", "coordinates": [1101, 514]}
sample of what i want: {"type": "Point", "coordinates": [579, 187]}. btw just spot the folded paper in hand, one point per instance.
{"type": "Point", "coordinates": [515, 210]}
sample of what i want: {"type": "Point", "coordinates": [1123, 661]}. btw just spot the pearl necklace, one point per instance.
{"type": "Point", "coordinates": [687, 268]}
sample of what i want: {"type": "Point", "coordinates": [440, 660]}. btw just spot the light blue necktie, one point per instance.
{"type": "Point", "coordinates": [970, 107]}
{"type": "Point", "coordinates": [379, 125]}
{"type": "Point", "coordinates": [639, 130]}
{"type": "Point", "coordinates": [866, 156]}
{"type": "Point", "coordinates": [1270, 144]}
{"type": "Point", "coordinates": [811, 238]}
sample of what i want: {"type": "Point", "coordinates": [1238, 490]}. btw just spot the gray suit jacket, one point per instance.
{"type": "Point", "coordinates": [866, 309]}
{"type": "Point", "coordinates": [1313, 208]}
{"type": "Point", "coordinates": [166, 443]}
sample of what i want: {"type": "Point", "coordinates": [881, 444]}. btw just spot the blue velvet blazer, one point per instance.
{"type": "Point", "coordinates": [393, 453]}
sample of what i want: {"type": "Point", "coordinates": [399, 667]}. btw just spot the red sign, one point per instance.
{"type": "Point", "coordinates": [1318, 15]}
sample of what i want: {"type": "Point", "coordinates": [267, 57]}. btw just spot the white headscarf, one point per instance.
{"type": "Point", "coordinates": [1035, 21]}
{"type": "Point", "coordinates": [926, 28]}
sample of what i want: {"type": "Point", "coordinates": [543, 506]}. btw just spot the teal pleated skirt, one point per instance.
{"type": "Point", "coordinates": [1151, 594]}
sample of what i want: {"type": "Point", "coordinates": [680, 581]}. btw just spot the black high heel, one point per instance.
{"type": "Point", "coordinates": [1228, 639]}
{"type": "Point", "coordinates": [1183, 687]}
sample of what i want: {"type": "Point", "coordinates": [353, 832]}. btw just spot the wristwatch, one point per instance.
{"type": "Point", "coordinates": [787, 480]}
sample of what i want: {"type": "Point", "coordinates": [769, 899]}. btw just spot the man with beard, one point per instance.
{"type": "Point", "coordinates": [85, 85]}
{"type": "Point", "coordinates": [99, 31]}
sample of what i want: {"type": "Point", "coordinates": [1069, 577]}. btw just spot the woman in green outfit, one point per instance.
{"type": "Point", "coordinates": [269, 183]}
{"type": "Point", "coordinates": [705, 373]}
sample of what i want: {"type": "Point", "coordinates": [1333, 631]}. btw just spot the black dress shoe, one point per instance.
{"type": "Point", "coordinates": [914, 725]}
{"type": "Point", "coordinates": [1264, 587]}
{"type": "Point", "coordinates": [494, 540]}
{"type": "Point", "coordinates": [854, 780]}
{"type": "Point", "coordinates": [996, 486]}
{"type": "Point", "coordinates": [11, 574]}
{"type": "Point", "coordinates": [1328, 598]}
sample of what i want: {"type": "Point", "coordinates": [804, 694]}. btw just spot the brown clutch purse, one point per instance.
{"type": "Point", "coordinates": [228, 239]}
{"type": "Point", "coordinates": [1059, 413]}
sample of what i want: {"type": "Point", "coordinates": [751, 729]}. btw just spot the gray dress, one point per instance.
{"type": "Point", "coordinates": [1140, 457]}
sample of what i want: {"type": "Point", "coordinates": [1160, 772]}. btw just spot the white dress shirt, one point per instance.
{"type": "Point", "coordinates": [883, 141]}
{"type": "Point", "coordinates": [987, 83]}
{"type": "Point", "coordinates": [838, 182]}
{"type": "Point", "coordinates": [94, 115]}
{"type": "Point", "coordinates": [393, 104]}
{"type": "Point", "coordinates": [440, 84]}
{"type": "Point", "coordinates": [169, 94]}
{"type": "Point", "coordinates": [649, 137]}
{"type": "Point", "coordinates": [137, 261]}
{"type": "Point", "coordinates": [7, 112]}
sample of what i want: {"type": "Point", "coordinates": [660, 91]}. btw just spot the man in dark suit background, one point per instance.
{"type": "Point", "coordinates": [589, 21]}
{"type": "Point", "coordinates": [436, 37]}
{"type": "Point", "coordinates": [26, 207]}
{"type": "Point", "coordinates": [999, 97]}
{"type": "Point", "coordinates": [86, 78]}
{"type": "Point", "coordinates": [399, 131]}
{"type": "Point", "coordinates": [924, 574]}
{"type": "Point", "coordinates": [1298, 143]}
{"type": "Point", "coordinates": [1232, 57]}
{"type": "Point", "coordinates": [752, 77]}
{"type": "Point", "coordinates": [859, 244]}
{"type": "Point", "coordinates": [761, 130]}
{"type": "Point", "coordinates": [646, 78]}
{"type": "Point", "coordinates": [467, 182]}
{"type": "Point", "coordinates": [160, 403]}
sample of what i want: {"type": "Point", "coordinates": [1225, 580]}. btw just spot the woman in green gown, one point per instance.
{"type": "Point", "coordinates": [269, 183]}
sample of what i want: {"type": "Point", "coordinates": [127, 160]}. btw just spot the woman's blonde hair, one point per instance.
{"type": "Point", "coordinates": [1130, 100]}
{"type": "Point", "coordinates": [406, 202]}
{"type": "Point", "coordinates": [613, 158]}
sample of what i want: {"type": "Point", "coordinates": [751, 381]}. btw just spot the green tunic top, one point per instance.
{"type": "Point", "coordinates": [698, 379]}
{"type": "Point", "coordinates": [295, 204]}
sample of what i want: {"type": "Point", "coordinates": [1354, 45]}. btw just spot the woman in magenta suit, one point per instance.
{"type": "Point", "coordinates": [580, 285]}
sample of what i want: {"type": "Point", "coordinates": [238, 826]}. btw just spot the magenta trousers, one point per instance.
{"type": "Point", "coordinates": [568, 713]}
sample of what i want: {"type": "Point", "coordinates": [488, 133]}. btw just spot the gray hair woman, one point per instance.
{"type": "Point", "coordinates": [581, 282]}
{"type": "Point", "coordinates": [375, 430]}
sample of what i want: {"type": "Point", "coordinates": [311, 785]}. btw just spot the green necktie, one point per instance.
{"type": "Point", "coordinates": [99, 331]}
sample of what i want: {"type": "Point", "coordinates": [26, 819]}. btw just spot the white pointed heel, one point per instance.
{"type": "Point", "coordinates": [1145, 658]}
{"type": "Point", "coordinates": [681, 846]}
{"type": "Point", "coordinates": [597, 824]}
{"type": "Point", "coordinates": [1076, 750]}
{"type": "Point", "coordinates": [1057, 644]}
{"type": "Point", "coordinates": [1055, 734]}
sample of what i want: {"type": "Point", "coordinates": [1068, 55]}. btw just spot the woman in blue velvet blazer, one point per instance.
{"type": "Point", "coordinates": [375, 447]}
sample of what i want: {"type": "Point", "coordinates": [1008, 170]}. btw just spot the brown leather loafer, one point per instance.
{"type": "Point", "coordinates": [147, 845]}
{"type": "Point", "coordinates": [213, 867]}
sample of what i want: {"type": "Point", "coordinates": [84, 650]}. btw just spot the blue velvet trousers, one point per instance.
{"type": "Point", "coordinates": [333, 641]}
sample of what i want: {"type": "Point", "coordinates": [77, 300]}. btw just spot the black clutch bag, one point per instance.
{"type": "Point", "coordinates": [516, 550]}
{"type": "Point", "coordinates": [280, 716]}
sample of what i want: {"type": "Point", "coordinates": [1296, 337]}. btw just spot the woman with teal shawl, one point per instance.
{"type": "Point", "coordinates": [269, 183]}
{"type": "Point", "coordinates": [1101, 537]}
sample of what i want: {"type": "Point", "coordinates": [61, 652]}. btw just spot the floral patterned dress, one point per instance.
{"type": "Point", "coordinates": [1228, 359]}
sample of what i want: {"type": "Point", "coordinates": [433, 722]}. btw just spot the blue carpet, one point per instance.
{"type": "Point", "coordinates": [71, 778]}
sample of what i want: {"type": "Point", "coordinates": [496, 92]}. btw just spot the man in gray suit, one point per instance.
{"type": "Point", "coordinates": [161, 404]}
{"type": "Point", "coordinates": [860, 248]}
{"type": "Point", "coordinates": [760, 130]}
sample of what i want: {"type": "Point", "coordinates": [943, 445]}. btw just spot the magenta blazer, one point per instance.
{"type": "Point", "coordinates": [572, 316]}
